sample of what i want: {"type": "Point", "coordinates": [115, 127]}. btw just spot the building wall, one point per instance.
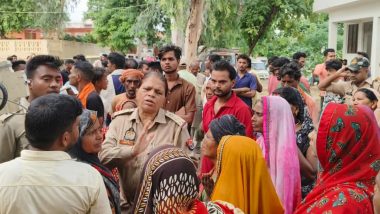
{"type": "Point", "coordinates": [38, 34]}
{"type": "Point", "coordinates": [78, 31]}
{"type": "Point", "coordinates": [353, 12]}
{"type": "Point", "coordinates": [357, 12]}
{"type": "Point", "coordinates": [324, 5]}
{"type": "Point", "coordinates": [63, 49]}
{"type": "Point", "coordinates": [26, 34]}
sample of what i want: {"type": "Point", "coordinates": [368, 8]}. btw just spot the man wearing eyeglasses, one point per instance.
{"type": "Point", "coordinates": [356, 72]}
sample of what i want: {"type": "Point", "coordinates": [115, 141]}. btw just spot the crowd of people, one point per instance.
{"type": "Point", "coordinates": [121, 136]}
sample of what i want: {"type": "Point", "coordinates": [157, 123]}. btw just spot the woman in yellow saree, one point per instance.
{"type": "Point", "coordinates": [243, 178]}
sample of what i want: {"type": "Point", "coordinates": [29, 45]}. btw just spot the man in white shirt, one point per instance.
{"type": "Point", "coordinates": [45, 179]}
{"type": "Point", "coordinates": [116, 66]}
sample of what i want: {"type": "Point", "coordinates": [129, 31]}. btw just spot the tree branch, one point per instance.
{"type": "Point", "coordinates": [263, 28]}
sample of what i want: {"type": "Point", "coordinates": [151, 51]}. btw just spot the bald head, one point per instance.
{"type": "Point", "coordinates": [194, 67]}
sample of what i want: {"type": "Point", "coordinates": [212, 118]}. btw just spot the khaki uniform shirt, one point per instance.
{"type": "Point", "coordinates": [123, 132]}
{"type": "Point", "coordinates": [376, 84]}
{"type": "Point", "coordinates": [51, 182]}
{"type": "Point", "coordinates": [12, 133]}
{"type": "Point", "coordinates": [347, 88]}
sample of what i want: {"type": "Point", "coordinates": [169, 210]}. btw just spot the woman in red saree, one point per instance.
{"type": "Point", "coordinates": [348, 149]}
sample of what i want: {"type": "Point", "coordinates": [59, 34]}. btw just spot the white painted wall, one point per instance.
{"type": "Point", "coordinates": [350, 12]}
{"type": "Point", "coordinates": [327, 5]}
{"type": "Point", "coordinates": [357, 12]}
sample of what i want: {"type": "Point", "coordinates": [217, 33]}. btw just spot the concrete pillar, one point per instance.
{"type": "Point", "coordinates": [375, 53]}
{"type": "Point", "coordinates": [360, 36]}
{"type": "Point", "coordinates": [345, 39]}
{"type": "Point", "coordinates": [333, 35]}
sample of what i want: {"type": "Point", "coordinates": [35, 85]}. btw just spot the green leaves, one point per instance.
{"type": "Point", "coordinates": [49, 15]}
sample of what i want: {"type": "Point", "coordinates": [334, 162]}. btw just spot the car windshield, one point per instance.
{"type": "Point", "coordinates": [258, 66]}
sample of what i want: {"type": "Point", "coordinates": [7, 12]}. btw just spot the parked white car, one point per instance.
{"type": "Point", "coordinates": [260, 69]}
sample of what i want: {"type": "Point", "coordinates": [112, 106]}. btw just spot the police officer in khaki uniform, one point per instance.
{"type": "Point", "coordinates": [133, 133]}
{"type": "Point", "coordinates": [357, 72]}
{"type": "Point", "coordinates": [43, 77]}
{"type": "Point", "coordinates": [12, 132]}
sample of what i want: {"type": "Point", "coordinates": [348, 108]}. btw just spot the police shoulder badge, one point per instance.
{"type": "Point", "coordinates": [129, 137]}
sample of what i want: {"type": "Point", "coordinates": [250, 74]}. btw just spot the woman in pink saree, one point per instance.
{"type": "Point", "coordinates": [274, 119]}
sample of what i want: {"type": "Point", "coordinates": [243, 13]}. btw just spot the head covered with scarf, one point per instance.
{"type": "Point", "coordinates": [87, 120]}
{"type": "Point", "coordinates": [279, 147]}
{"type": "Point", "coordinates": [226, 125]}
{"type": "Point", "coordinates": [219, 127]}
{"type": "Point", "coordinates": [243, 178]}
{"type": "Point", "coordinates": [348, 150]}
{"type": "Point", "coordinates": [169, 183]}
{"type": "Point", "coordinates": [131, 73]}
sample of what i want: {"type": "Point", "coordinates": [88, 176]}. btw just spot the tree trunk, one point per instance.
{"type": "Point", "coordinates": [263, 28]}
{"type": "Point", "coordinates": [177, 33]}
{"type": "Point", "coordinates": [193, 30]}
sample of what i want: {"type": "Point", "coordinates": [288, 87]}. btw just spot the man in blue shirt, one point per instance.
{"type": "Point", "coordinates": [245, 83]}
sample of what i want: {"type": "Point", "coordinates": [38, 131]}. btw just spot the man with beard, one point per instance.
{"type": "Point", "coordinates": [43, 77]}
{"type": "Point", "coordinates": [46, 173]}
{"type": "Point", "coordinates": [224, 102]}
{"type": "Point", "coordinates": [246, 83]}
{"type": "Point", "coordinates": [131, 78]}
{"type": "Point", "coordinates": [181, 95]}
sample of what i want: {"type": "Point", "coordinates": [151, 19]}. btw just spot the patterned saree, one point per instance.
{"type": "Point", "coordinates": [169, 184]}
{"type": "Point", "coordinates": [348, 148]}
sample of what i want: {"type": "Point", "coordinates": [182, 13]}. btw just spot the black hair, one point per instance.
{"type": "Point", "coordinates": [328, 50]}
{"type": "Point", "coordinates": [291, 69]}
{"type": "Point", "coordinates": [369, 94]}
{"type": "Point", "coordinates": [50, 116]}
{"type": "Point", "coordinates": [16, 63]}
{"type": "Point", "coordinates": [280, 61]}
{"type": "Point", "coordinates": [167, 48]}
{"type": "Point", "coordinates": [214, 58]}
{"type": "Point", "coordinates": [272, 59]}
{"type": "Point", "coordinates": [246, 57]}
{"type": "Point", "coordinates": [293, 97]}
{"type": "Point", "coordinates": [363, 54]}
{"type": "Point", "coordinates": [117, 59]}
{"type": "Point", "coordinates": [69, 61]}
{"type": "Point", "coordinates": [46, 60]}
{"type": "Point", "coordinates": [143, 62]}
{"type": "Point", "coordinates": [80, 57]}
{"type": "Point", "coordinates": [131, 63]}
{"type": "Point", "coordinates": [86, 69]}
{"type": "Point", "coordinates": [333, 64]}
{"type": "Point", "coordinates": [98, 74]}
{"type": "Point", "coordinates": [105, 55]}
{"type": "Point", "coordinates": [159, 76]}
{"type": "Point", "coordinates": [223, 65]}
{"type": "Point", "coordinates": [155, 66]}
{"type": "Point", "coordinates": [298, 55]}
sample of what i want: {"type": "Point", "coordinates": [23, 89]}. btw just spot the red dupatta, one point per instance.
{"type": "Point", "coordinates": [348, 148]}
